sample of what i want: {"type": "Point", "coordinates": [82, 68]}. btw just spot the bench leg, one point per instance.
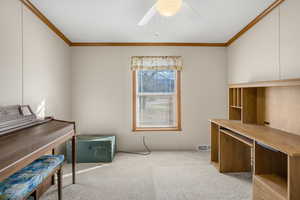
{"type": "Point", "coordinates": [59, 184]}
{"type": "Point", "coordinates": [74, 159]}
{"type": "Point", "coordinates": [53, 177]}
{"type": "Point", "coordinates": [34, 195]}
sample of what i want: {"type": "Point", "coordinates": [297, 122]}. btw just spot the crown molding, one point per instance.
{"type": "Point", "coordinates": [255, 21]}
{"type": "Point", "coordinates": [149, 44]}
{"type": "Point", "coordinates": [44, 19]}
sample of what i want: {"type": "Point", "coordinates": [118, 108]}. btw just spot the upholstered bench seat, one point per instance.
{"type": "Point", "coordinates": [21, 184]}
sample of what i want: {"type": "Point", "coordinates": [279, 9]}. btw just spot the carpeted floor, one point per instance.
{"type": "Point", "coordinates": [160, 176]}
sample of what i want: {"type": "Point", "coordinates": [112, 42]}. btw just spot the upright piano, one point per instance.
{"type": "Point", "coordinates": [24, 138]}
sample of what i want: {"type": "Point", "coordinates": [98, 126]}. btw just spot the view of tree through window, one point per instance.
{"type": "Point", "coordinates": [156, 98]}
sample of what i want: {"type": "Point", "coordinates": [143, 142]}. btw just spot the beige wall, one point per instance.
{"type": "Point", "coordinates": [10, 52]}
{"type": "Point", "coordinates": [101, 94]}
{"type": "Point", "coordinates": [44, 66]}
{"type": "Point", "coordinates": [47, 69]}
{"type": "Point", "coordinates": [268, 51]}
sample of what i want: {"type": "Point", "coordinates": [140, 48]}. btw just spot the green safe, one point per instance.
{"type": "Point", "coordinates": [93, 149]}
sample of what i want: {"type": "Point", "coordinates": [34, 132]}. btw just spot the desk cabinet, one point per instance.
{"type": "Point", "coordinates": [273, 156]}
{"type": "Point", "coordinates": [262, 136]}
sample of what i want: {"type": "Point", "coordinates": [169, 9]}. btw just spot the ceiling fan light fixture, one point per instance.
{"type": "Point", "coordinates": [168, 7]}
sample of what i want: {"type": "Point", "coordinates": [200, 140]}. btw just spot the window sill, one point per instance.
{"type": "Point", "coordinates": [156, 129]}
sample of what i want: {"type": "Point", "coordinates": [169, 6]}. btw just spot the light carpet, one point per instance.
{"type": "Point", "coordinates": [160, 176]}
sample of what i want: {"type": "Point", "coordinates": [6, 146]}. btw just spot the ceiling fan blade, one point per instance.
{"type": "Point", "coordinates": [148, 16]}
{"type": "Point", "coordinates": [185, 4]}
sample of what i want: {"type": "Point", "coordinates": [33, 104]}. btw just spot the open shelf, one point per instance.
{"type": "Point", "coordinates": [235, 103]}
{"type": "Point", "coordinates": [274, 183]}
{"type": "Point", "coordinates": [271, 171]}
{"type": "Point", "coordinates": [247, 105]}
{"type": "Point", "coordinates": [235, 97]}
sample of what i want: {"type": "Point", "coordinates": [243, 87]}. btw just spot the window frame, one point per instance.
{"type": "Point", "coordinates": [177, 106]}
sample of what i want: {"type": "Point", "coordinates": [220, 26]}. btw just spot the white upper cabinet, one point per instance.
{"type": "Point", "coordinates": [290, 39]}
{"type": "Point", "coordinates": [255, 55]}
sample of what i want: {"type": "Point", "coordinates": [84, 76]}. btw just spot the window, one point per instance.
{"type": "Point", "coordinates": [156, 97]}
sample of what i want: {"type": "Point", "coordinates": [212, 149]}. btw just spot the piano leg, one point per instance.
{"type": "Point", "coordinates": [74, 159]}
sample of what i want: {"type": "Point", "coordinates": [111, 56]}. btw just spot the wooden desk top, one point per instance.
{"type": "Point", "coordinates": [285, 142]}
{"type": "Point", "coordinates": [17, 148]}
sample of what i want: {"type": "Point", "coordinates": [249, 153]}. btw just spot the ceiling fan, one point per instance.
{"type": "Point", "coordinates": [166, 8]}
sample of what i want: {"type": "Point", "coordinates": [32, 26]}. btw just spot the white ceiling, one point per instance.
{"type": "Point", "coordinates": [116, 20]}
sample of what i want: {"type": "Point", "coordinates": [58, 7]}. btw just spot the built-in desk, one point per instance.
{"type": "Point", "coordinates": [271, 154]}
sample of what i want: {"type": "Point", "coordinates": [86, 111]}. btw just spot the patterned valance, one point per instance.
{"type": "Point", "coordinates": [156, 63]}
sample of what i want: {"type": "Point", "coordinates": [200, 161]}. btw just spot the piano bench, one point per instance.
{"type": "Point", "coordinates": [26, 182]}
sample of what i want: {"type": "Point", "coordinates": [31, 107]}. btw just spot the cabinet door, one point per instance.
{"type": "Point", "coordinates": [290, 39]}
{"type": "Point", "coordinates": [254, 56]}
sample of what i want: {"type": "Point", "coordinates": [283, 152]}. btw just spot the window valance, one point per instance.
{"type": "Point", "coordinates": [156, 63]}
